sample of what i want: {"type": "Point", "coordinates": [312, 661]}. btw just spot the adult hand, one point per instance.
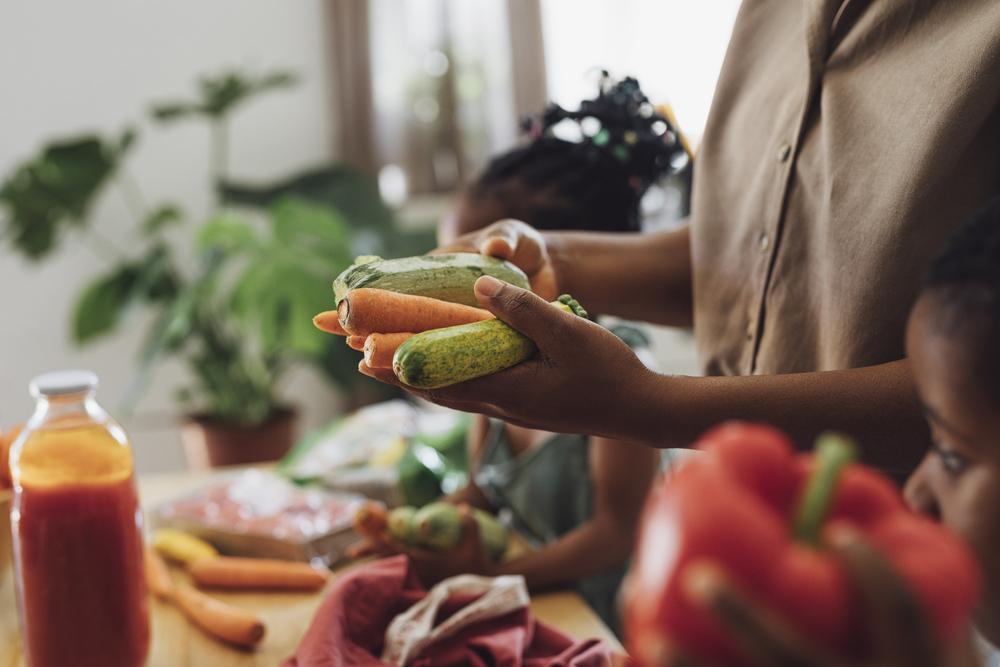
{"type": "Point", "coordinates": [520, 244]}
{"type": "Point", "coordinates": [583, 379]}
{"type": "Point", "coordinates": [899, 633]}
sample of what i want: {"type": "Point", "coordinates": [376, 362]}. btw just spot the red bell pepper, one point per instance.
{"type": "Point", "coordinates": [752, 505]}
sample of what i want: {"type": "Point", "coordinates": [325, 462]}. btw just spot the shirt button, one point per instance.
{"type": "Point", "coordinates": [750, 331]}
{"type": "Point", "coordinates": [783, 152]}
{"type": "Point", "coordinates": [764, 241]}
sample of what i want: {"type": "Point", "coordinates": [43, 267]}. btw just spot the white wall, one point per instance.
{"type": "Point", "coordinates": [67, 67]}
{"type": "Point", "coordinates": [674, 47]}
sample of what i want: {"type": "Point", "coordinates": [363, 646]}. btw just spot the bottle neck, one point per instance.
{"type": "Point", "coordinates": [67, 410]}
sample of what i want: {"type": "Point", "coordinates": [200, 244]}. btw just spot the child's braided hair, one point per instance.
{"type": "Point", "coordinates": [965, 278]}
{"type": "Point", "coordinates": [596, 179]}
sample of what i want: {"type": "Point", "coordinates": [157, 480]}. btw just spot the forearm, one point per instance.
{"type": "Point", "coordinates": [590, 549]}
{"type": "Point", "coordinates": [876, 405]}
{"type": "Point", "coordinates": [636, 276]}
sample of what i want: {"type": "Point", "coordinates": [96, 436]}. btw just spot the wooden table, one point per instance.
{"type": "Point", "coordinates": [176, 643]}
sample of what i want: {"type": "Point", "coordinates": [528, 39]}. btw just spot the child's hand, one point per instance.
{"type": "Point", "coordinates": [900, 634]}
{"type": "Point", "coordinates": [469, 557]}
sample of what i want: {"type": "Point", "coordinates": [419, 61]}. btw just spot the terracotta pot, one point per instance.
{"type": "Point", "coordinates": [209, 443]}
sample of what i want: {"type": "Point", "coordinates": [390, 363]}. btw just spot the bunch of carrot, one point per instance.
{"type": "Point", "coordinates": [210, 570]}
{"type": "Point", "coordinates": [377, 321]}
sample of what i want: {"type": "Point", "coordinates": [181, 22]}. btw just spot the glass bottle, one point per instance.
{"type": "Point", "coordinates": [77, 531]}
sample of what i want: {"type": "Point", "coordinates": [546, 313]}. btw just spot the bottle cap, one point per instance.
{"type": "Point", "coordinates": [62, 383]}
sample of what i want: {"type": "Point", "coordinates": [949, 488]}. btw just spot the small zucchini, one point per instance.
{"type": "Point", "coordinates": [447, 277]}
{"type": "Point", "coordinates": [443, 357]}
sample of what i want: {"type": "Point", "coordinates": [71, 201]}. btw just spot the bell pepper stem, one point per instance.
{"type": "Point", "coordinates": [833, 453]}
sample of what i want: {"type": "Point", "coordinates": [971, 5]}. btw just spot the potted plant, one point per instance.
{"type": "Point", "coordinates": [240, 317]}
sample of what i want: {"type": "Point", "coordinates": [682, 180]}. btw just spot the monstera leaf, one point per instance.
{"type": "Point", "coordinates": [338, 187]}
{"type": "Point", "coordinates": [55, 189]}
{"type": "Point", "coordinates": [287, 278]}
{"type": "Point", "coordinates": [103, 303]}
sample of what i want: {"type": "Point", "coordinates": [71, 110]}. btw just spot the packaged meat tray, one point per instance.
{"type": "Point", "coordinates": [262, 514]}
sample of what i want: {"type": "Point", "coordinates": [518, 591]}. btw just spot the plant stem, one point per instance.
{"type": "Point", "coordinates": [833, 453]}
{"type": "Point", "coordinates": [219, 151]}
{"type": "Point", "coordinates": [132, 194]}
{"type": "Point", "coordinates": [102, 246]}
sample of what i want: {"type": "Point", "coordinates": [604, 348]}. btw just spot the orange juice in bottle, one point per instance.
{"type": "Point", "coordinates": [77, 531]}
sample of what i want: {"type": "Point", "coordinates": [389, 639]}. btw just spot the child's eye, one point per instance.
{"type": "Point", "coordinates": [953, 462]}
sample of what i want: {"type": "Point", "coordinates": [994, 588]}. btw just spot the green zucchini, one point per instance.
{"type": "Point", "coordinates": [447, 356]}
{"type": "Point", "coordinates": [400, 524]}
{"type": "Point", "coordinates": [439, 526]}
{"type": "Point", "coordinates": [447, 277]}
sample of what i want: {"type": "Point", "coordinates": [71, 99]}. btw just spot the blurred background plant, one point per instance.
{"type": "Point", "coordinates": [237, 306]}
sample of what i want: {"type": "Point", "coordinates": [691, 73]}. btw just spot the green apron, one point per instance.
{"type": "Point", "coordinates": [548, 492]}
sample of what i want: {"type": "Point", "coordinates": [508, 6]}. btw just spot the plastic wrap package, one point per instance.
{"type": "Point", "coordinates": [262, 514]}
{"type": "Point", "coordinates": [394, 452]}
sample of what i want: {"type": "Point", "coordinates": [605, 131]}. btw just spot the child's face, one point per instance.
{"type": "Point", "coordinates": [958, 480]}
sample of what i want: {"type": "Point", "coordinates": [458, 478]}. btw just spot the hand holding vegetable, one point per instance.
{"type": "Point", "coordinates": [573, 383]}
{"type": "Point", "coordinates": [520, 244]}
{"type": "Point", "coordinates": [441, 539]}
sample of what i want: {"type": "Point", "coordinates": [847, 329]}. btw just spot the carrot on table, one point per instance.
{"type": "Point", "coordinates": [329, 321]}
{"type": "Point", "coordinates": [368, 310]}
{"type": "Point", "coordinates": [158, 576]}
{"type": "Point", "coordinates": [219, 619]}
{"type": "Point", "coordinates": [356, 343]}
{"type": "Point", "coordinates": [379, 348]}
{"type": "Point", "coordinates": [257, 574]}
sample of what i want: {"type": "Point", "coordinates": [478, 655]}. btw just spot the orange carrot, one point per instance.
{"type": "Point", "coordinates": [158, 576]}
{"type": "Point", "coordinates": [367, 310]}
{"type": "Point", "coordinates": [257, 574]}
{"type": "Point", "coordinates": [371, 520]}
{"type": "Point", "coordinates": [356, 343]}
{"type": "Point", "coordinates": [329, 322]}
{"type": "Point", "coordinates": [219, 619]}
{"type": "Point", "coordinates": [379, 348]}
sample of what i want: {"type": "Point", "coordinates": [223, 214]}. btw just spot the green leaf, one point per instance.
{"type": "Point", "coordinates": [337, 187]}
{"type": "Point", "coordinates": [101, 304]}
{"type": "Point", "coordinates": [157, 277]}
{"type": "Point", "coordinates": [227, 233]}
{"type": "Point", "coordinates": [161, 218]}
{"type": "Point", "coordinates": [55, 189]}
{"type": "Point", "coordinates": [308, 228]}
{"type": "Point", "coordinates": [219, 94]}
{"type": "Point", "coordinates": [171, 111]}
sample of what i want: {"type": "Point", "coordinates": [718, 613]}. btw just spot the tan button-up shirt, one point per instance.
{"type": "Point", "coordinates": [847, 140]}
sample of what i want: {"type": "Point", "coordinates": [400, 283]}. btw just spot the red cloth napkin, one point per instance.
{"type": "Point", "coordinates": [349, 628]}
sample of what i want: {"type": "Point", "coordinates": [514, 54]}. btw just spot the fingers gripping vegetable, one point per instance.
{"type": "Point", "coordinates": [448, 277]}
{"type": "Point", "coordinates": [380, 348]}
{"type": "Point", "coordinates": [437, 526]}
{"type": "Point", "coordinates": [443, 357]}
{"type": "Point", "coordinates": [755, 508]}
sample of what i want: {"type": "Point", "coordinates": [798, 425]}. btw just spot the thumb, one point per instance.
{"type": "Point", "coordinates": [522, 309]}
